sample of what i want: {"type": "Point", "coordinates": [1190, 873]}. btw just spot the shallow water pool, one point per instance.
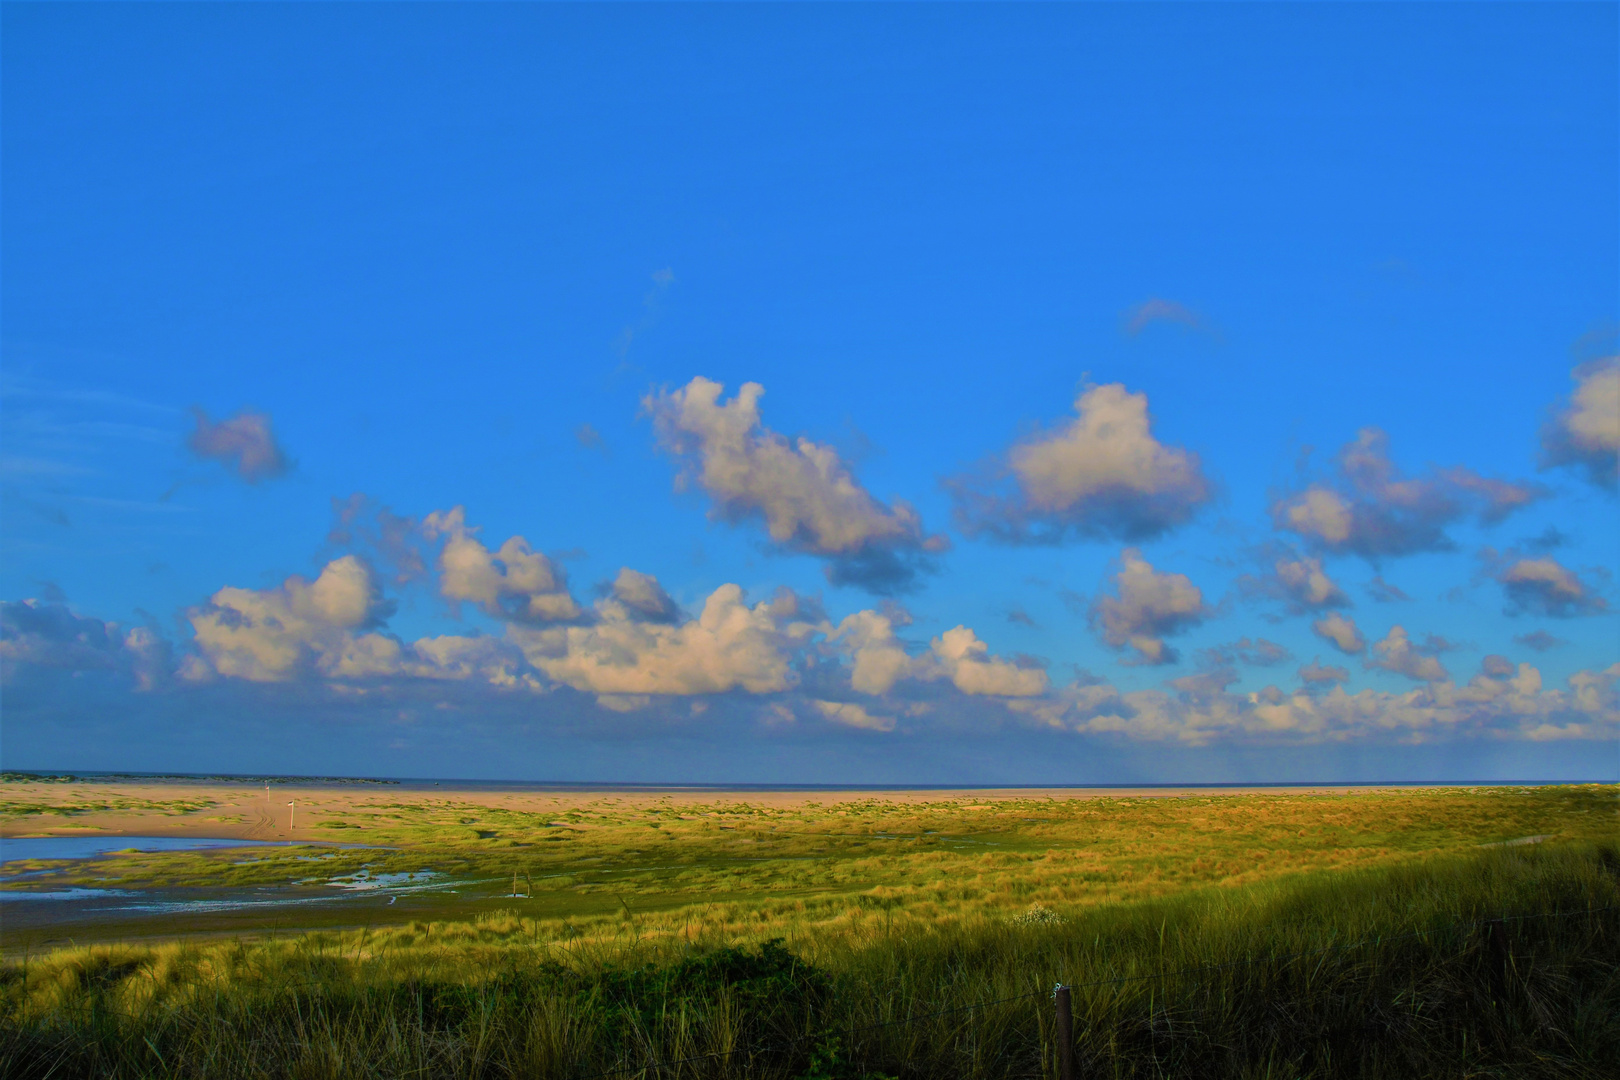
{"type": "Point", "coordinates": [88, 847]}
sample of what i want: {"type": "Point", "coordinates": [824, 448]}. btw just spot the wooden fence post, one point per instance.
{"type": "Point", "coordinates": [1065, 1033]}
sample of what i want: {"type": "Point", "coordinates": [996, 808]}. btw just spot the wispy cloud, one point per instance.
{"type": "Point", "coordinates": [1160, 310]}
{"type": "Point", "coordinates": [1539, 641]}
{"type": "Point", "coordinates": [650, 304]}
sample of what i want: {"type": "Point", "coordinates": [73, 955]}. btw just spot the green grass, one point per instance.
{"type": "Point", "coordinates": [730, 864]}
{"type": "Point", "coordinates": [1330, 973]}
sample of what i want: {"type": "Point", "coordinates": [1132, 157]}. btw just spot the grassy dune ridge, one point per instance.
{"type": "Point", "coordinates": [1308, 935]}
{"type": "Point", "coordinates": [1361, 974]}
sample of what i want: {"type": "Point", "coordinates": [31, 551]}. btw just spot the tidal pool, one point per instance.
{"type": "Point", "coordinates": [14, 849]}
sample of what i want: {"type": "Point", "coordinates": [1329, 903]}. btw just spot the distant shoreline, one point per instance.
{"type": "Point", "coordinates": [655, 787]}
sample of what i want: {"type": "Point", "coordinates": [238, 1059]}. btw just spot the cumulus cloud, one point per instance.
{"type": "Point", "coordinates": [513, 583]}
{"type": "Point", "coordinates": [469, 658]}
{"type": "Point", "coordinates": [243, 443]}
{"type": "Point", "coordinates": [1317, 673]}
{"type": "Point", "coordinates": [852, 715]}
{"type": "Point", "coordinates": [330, 629]}
{"type": "Point", "coordinates": [967, 662]}
{"type": "Point", "coordinates": [268, 635]}
{"type": "Point", "coordinates": [1299, 581]}
{"type": "Point", "coordinates": [642, 594]}
{"type": "Point", "coordinates": [807, 496]}
{"type": "Point", "coordinates": [1543, 586]}
{"type": "Point", "coordinates": [730, 644]}
{"type": "Point", "coordinates": [1148, 607]}
{"type": "Point", "coordinates": [1205, 683]}
{"type": "Point", "coordinates": [1100, 475]}
{"type": "Point", "coordinates": [879, 659]}
{"type": "Point", "coordinates": [1307, 585]}
{"type": "Point", "coordinates": [48, 634]}
{"type": "Point", "coordinates": [1398, 653]}
{"type": "Point", "coordinates": [1341, 632]}
{"type": "Point", "coordinates": [1584, 432]}
{"type": "Point", "coordinates": [325, 632]}
{"type": "Point", "coordinates": [1490, 705]}
{"type": "Point", "coordinates": [1369, 507]}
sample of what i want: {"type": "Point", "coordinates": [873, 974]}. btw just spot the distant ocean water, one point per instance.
{"type": "Point", "coordinates": [466, 784]}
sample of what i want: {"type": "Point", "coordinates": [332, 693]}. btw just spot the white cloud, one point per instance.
{"type": "Point", "coordinates": [1204, 683]}
{"type": "Point", "coordinates": [624, 703]}
{"type": "Point", "coordinates": [808, 497]}
{"type": "Point", "coordinates": [1369, 507]}
{"type": "Point", "coordinates": [1341, 632]}
{"type": "Point", "coordinates": [1307, 585]}
{"type": "Point", "coordinates": [1317, 672]}
{"type": "Point", "coordinates": [967, 662]}
{"type": "Point", "coordinates": [475, 657]}
{"type": "Point", "coordinates": [853, 715]}
{"type": "Point", "coordinates": [729, 645]}
{"type": "Point", "coordinates": [514, 582]}
{"type": "Point", "coordinates": [268, 635]}
{"type": "Point", "coordinates": [1102, 474]}
{"type": "Point", "coordinates": [1149, 606]}
{"type": "Point", "coordinates": [47, 634]}
{"type": "Point", "coordinates": [879, 659]}
{"type": "Point", "coordinates": [1514, 707]}
{"type": "Point", "coordinates": [1397, 653]}
{"type": "Point", "coordinates": [328, 629]}
{"type": "Point", "coordinates": [1585, 432]}
{"type": "Point", "coordinates": [243, 443]}
{"type": "Point", "coordinates": [642, 594]}
{"type": "Point", "coordinates": [1543, 586]}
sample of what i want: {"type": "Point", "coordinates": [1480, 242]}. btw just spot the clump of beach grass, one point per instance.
{"type": "Point", "coordinates": [1386, 972]}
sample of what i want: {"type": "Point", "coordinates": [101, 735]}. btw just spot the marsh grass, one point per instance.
{"type": "Point", "coordinates": [1383, 972]}
{"type": "Point", "coordinates": [866, 860]}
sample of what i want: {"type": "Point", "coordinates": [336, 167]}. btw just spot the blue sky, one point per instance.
{"type": "Point", "coordinates": [1148, 392]}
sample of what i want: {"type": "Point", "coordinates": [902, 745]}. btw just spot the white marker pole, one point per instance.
{"type": "Point", "coordinates": [291, 814]}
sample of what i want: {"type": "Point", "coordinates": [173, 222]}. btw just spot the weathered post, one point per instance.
{"type": "Point", "coordinates": [1065, 1033]}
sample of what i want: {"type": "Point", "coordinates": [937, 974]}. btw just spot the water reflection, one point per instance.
{"type": "Point", "coordinates": [14, 849]}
